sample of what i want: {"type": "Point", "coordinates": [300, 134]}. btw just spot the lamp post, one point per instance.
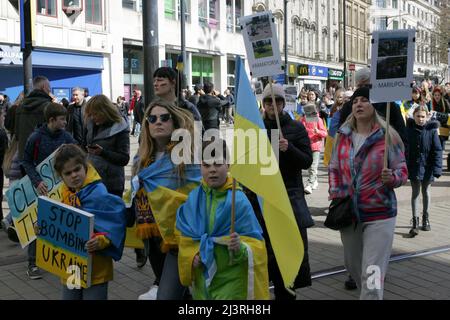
{"type": "Point", "coordinates": [285, 44]}
{"type": "Point", "coordinates": [150, 43]}
{"type": "Point", "coordinates": [344, 18]}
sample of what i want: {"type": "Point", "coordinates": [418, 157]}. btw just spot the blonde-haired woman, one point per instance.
{"type": "Point", "coordinates": [107, 142]}
{"type": "Point", "coordinates": [159, 187]}
{"type": "Point", "coordinates": [357, 170]}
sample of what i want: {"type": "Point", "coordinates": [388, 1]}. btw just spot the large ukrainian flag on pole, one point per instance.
{"type": "Point", "coordinates": [277, 210]}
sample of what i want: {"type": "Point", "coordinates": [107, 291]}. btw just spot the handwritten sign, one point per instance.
{"type": "Point", "coordinates": [60, 246]}
{"type": "Point", "coordinates": [261, 45]}
{"type": "Point", "coordinates": [22, 199]}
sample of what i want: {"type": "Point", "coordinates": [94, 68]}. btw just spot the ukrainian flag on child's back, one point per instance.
{"type": "Point", "coordinates": [277, 210]}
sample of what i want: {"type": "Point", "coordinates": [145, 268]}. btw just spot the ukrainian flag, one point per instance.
{"type": "Point", "coordinates": [165, 191]}
{"type": "Point", "coordinates": [277, 210]}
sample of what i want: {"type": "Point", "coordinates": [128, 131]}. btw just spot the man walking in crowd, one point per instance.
{"type": "Point", "coordinates": [209, 106]}
{"type": "Point", "coordinates": [31, 113]}
{"type": "Point", "coordinates": [137, 108]}
{"type": "Point", "coordinates": [75, 121]}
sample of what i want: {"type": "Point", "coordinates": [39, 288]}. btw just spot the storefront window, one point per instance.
{"type": "Point", "coordinates": [202, 70]}
{"type": "Point", "coordinates": [46, 7]}
{"type": "Point", "coordinates": [93, 11]}
{"type": "Point", "coordinates": [133, 66]}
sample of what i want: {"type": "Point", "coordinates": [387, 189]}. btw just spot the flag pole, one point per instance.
{"type": "Point", "coordinates": [387, 136]}
{"type": "Point", "coordinates": [233, 214]}
{"type": "Point", "coordinates": [274, 104]}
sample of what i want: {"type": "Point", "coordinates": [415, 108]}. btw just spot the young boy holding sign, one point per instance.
{"type": "Point", "coordinates": [217, 264]}
{"type": "Point", "coordinates": [42, 143]}
{"type": "Point", "coordinates": [82, 188]}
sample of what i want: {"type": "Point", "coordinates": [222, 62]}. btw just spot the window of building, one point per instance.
{"type": "Point", "coordinates": [202, 70]}
{"type": "Point", "coordinates": [208, 13]}
{"type": "Point", "coordinates": [380, 23]}
{"type": "Point", "coordinates": [46, 7]}
{"type": "Point", "coordinates": [93, 11]}
{"type": "Point", "coordinates": [395, 4]}
{"type": "Point", "coordinates": [129, 4]}
{"type": "Point", "coordinates": [355, 17]}
{"type": "Point", "coordinates": [362, 21]}
{"type": "Point", "coordinates": [173, 6]}
{"type": "Point", "coordinates": [234, 13]}
{"type": "Point", "coordinates": [381, 3]}
{"type": "Point", "coordinates": [395, 25]}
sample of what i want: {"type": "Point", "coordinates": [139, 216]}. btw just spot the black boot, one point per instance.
{"type": "Point", "coordinates": [425, 222]}
{"type": "Point", "coordinates": [415, 227]}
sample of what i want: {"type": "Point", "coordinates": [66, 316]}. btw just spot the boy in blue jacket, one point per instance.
{"type": "Point", "coordinates": [42, 143]}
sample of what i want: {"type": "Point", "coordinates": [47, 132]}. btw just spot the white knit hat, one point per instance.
{"type": "Point", "coordinates": [278, 91]}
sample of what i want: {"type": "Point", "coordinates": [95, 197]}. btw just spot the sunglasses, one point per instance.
{"type": "Point", "coordinates": [269, 101]}
{"type": "Point", "coordinates": [163, 117]}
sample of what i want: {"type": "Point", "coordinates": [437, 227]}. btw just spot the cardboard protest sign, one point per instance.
{"type": "Point", "coordinates": [290, 93]}
{"type": "Point", "coordinates": [392, 65]}
{"type": "Point", "coordinates": [311, 114]}
{"type": "Point", "coordinates": [22, 199]}
{"type": "Point", "coordinates": [60, 246]}
{"type": "Point", "coordinates": [261, 45]}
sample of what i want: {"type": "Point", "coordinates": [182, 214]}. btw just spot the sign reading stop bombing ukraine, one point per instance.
{"type": "Point", "coordinates": [60, 246]}
{"type": "Point", "coordinates": [22, 200]}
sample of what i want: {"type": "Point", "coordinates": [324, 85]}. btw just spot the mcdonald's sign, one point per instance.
{"type": "Point", "coordinates": [303, 70]}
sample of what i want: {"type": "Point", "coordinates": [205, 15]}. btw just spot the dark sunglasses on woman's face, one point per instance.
{"type": "Point", "coordinates": [164, 117]}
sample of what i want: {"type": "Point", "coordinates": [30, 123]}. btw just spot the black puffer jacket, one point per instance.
{"type": "Point", "coordinates": [209, 107]}
{"type": "Point", "coordinates": [110, 164]}
{"type": "Point", "coordinates": [29, 115]}
{"type": "Point", "coordinates": [297, 157]}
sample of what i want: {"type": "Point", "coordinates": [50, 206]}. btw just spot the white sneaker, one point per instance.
{"type": "Point", "coordinates": [315, 185]}
{"type": "Point", "coordinates": [150, 295]}
{"type": "Point", "coordinates": [308, 190]}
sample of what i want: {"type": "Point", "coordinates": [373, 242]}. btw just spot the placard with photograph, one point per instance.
{"type": "Point", "coordinates": [291, 95]}
{"type": "Point", "coordinates": [261, 45]}
{"type": "Point", "coordinates": [392, 66]}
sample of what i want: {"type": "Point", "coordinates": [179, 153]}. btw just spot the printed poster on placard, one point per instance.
{"type": "Point", "coordinates": [392, 65]}
{"type": "Point", "coordinates": [60, 246]}
{"type": "Point", "coordinates": [291, 94]}
{"type": "Point", "coordinates": [261, 45]}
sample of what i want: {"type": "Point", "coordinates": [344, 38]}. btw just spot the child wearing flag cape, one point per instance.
{"type": "Point", "coordinates": [216, 264]}
{"type": "Point", "coordinates": [82, 188]}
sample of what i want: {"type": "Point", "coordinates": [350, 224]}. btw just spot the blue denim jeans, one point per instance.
{"type": "Point", "coordinates": [95, 292]}
{"type": "Point", "coordinates": [170, 287]}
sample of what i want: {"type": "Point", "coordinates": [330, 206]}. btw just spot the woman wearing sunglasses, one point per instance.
{"type": "Point", "coordinates": [158, 188]}
{"type": "Point", "coordinates": [107, 142]}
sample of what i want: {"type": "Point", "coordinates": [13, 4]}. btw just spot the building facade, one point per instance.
{"type": "Point", "coordinates": [357, 39]}
{"type": "Point", "coordinates": [72, 45]}
{"type": "Point", "coordinates": [424, 17]}
{"type": "Point", "coordinates": [213, 40]}
{"type": "Point", "coordinates": [312, 40]}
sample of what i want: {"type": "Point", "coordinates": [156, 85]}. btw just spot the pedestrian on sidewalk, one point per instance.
{"type": "Point", "coordinates": [42, 143]}
{"type": "Point", "coordinates": [294, 156]}
{"type": "Point", "coordinates": [424, 159]}
{"type": "Point", "coordinates": [158, 188]}
{"type": "Point", "coordinates": [82, 188]}
{"type": "Point", "coordinates": [3, 148]}
{"type": "Point", "coordinates": [316, 133]}
{"type": "Point", "coordinates": [357, 170]}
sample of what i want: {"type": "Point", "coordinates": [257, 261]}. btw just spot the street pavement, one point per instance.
{"type": "Point", "coordinates": [425, 277]}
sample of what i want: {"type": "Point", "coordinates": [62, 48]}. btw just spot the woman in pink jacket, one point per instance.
{"type": "Point", "coordinates": [316, 132]}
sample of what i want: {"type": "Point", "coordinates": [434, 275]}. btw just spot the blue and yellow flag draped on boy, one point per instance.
{"type": "Point", "coordinates": [158, 192]}
{"type": "Point", "coordinates": [281, 225]}
{"type": "Point", "coordinates": [205, 229]}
